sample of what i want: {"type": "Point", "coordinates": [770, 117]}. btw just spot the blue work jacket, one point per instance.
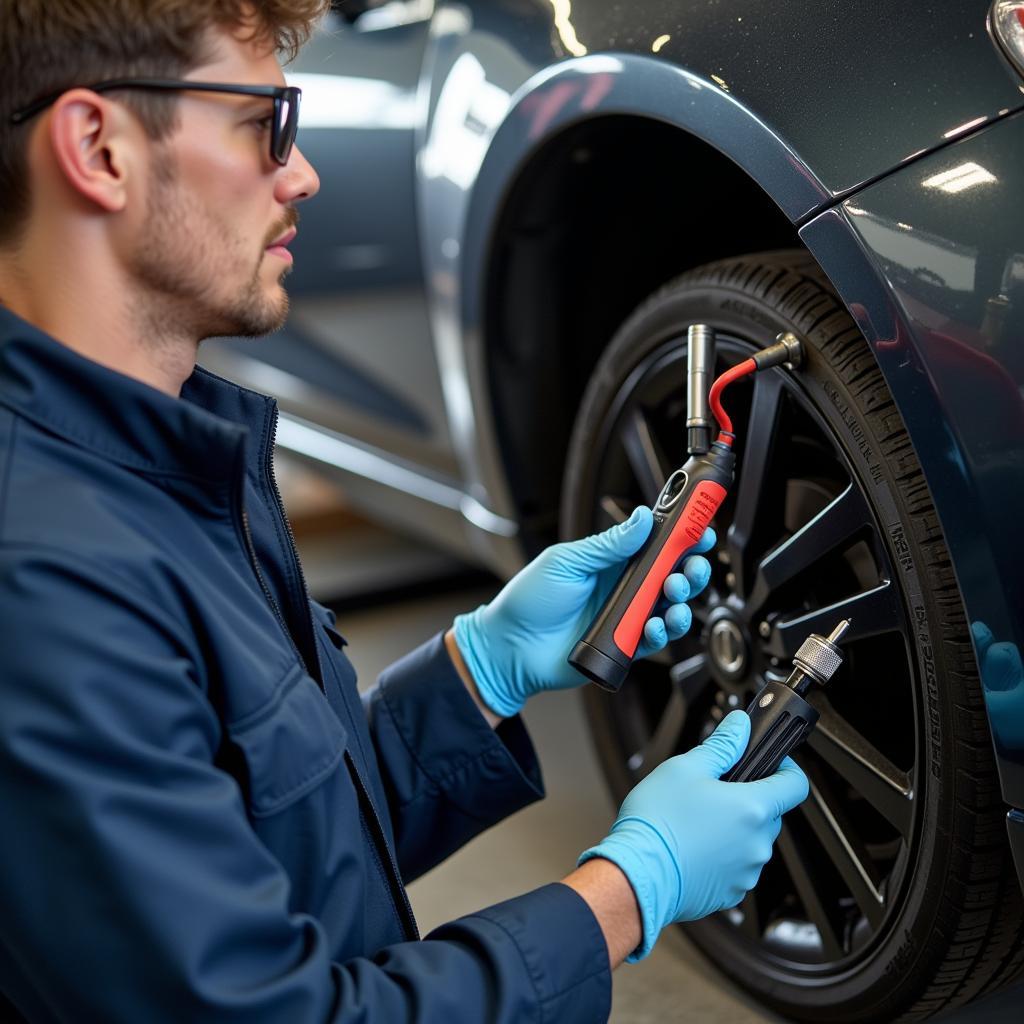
{"type": "Point", "coordinates": [202, 820]}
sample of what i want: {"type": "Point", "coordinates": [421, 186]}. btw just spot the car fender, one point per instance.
{"type": "Point", "coordinates": [461, 202]}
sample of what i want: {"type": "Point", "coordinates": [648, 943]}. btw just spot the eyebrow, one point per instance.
{"type": "Point", "coordinates": [254, 103]}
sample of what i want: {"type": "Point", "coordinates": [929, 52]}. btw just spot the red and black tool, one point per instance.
{"type": "Point", "coordinates": [687, 504]}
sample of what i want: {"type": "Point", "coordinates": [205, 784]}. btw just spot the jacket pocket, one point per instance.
{"type": "Point", "coordinates": [289, 746]}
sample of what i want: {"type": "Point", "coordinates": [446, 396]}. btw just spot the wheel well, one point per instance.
{"type": "Point", "coordinates": [605, 213]}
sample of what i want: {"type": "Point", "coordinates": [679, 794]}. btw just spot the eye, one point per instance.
{"type": "Point", "coordinates": [264, 123]}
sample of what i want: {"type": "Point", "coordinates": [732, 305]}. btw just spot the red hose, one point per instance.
{"type": "Point", "coordinates": [715, 398]}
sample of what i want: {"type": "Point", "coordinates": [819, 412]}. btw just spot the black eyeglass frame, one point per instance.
{"type": "Point", "coordinates": [285, 120]}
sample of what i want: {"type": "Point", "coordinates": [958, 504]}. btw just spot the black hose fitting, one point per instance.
{"type": "Point", "coordinates": [787, 351]}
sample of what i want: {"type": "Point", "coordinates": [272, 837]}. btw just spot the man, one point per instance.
{"type": "Point", "coordinates": [202, 821]}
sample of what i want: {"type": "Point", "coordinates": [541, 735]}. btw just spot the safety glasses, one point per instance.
{"type": "Point", "coordinates": [286, 104]}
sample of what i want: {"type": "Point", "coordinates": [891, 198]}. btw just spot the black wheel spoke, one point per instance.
{"type": "Point", "coordinates": [754, 473]}
{"type": "Point", "coordinates": [832, 527]}
{"type": "Point", "coordinates": [691, 676]}
{"type": "Point", "coordinates": [806, 881]}
{"type": "Point", "coordinates": [751, 924]}
{"type": "Point", "coordinates": [864, 766]}
{"type": "Point", "coordinates": [614, 510]}
{"type": "Point", "coordinates": [665, 740]}
{"type": "Point", "coordinates": [646, 459]}
{"type": "Point", "coordinates": [845, 850]}
{"type": "Point", "coordinates": [870, 612]}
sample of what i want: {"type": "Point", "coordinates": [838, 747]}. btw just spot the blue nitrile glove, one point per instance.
{"type": "Point", "coordinates": [691, 844]}
{"type": "Point", "coordinates": [518, 644]}
{"type": "Point", "coordinates": [1002, 673]}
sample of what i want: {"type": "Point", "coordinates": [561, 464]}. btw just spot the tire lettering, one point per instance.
{"type": "Point", "coordinates": [924, 642]}
{"type": "Point", "coordinates": [857, 432]}
{"type": "Point", "coordinates": [901, 548]}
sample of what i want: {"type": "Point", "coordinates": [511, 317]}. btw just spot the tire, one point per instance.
{"type": "Point", "coordinates": [946, 922]}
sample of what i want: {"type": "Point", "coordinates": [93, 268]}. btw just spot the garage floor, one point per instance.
{"type": "Point", "coordinates": [539, 844]}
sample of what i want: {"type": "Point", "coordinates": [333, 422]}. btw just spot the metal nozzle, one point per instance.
{"type": "Point", "coordinates": [837, 634]}
{"type": "Point", "coordinates": [700, 364]}
{"type": "Point", "coordinates": [787, 351]}
{"type": "Point", "coordinates": [819, 657]}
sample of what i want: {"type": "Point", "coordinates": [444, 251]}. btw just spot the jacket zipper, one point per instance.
{"type": "Point", "coordinates": [398, 893]}
{"type": "Point", "coordinates": [268, 466]}
{"type": "Point", "coordinates": [405, 913]}
{"type": "Point", "coordinates": [250, 549]}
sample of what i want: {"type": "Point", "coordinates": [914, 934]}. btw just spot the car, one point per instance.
{"type": "Point", "coordinates": [524, 206]}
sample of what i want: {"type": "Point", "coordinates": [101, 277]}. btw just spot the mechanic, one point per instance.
{"type": "Point", "coordinates": [203, 821]}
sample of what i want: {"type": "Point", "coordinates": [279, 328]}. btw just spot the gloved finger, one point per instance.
{"type": "Point", "coordinates": [655, 635]}
{"type": "Point", "coordinates": [678, 619]}
{"type": "Point", "coordinates": [697, 572]}
{"type": "Point", "coordinates": [724, 747]}
{"type": "Point", "coordinates": [787, 788]}
{"type": "Point", "coordinates": [676, 588]}
{"type": "Point", "coordinates": [982, 638]}
{"type": "Point", "coordinates": [611, 546]}
{"type": "Point", "coordinates": [707, 541]}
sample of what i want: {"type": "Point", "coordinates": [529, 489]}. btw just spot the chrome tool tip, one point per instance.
{"type": "Point", "coordinates": [837, 633]}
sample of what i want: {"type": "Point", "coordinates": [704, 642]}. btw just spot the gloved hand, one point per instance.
{"type": "Point", "coordinates": [1002, 674]}
{"type": "Point", "coordinates": [691, 844]}
{"type": "Point", "coordinates": [518, 644]}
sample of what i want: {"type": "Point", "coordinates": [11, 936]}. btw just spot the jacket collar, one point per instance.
{"type": "Point", "coordinates": [197, 436]}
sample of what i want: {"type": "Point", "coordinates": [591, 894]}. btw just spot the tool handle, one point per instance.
{"type": "Point", "coordinates": [780, 719]}
{"type": "Point", "coordinates": [681, 515]}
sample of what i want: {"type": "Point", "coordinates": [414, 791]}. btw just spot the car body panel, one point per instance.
{"type": "Point", "coordinates": [930, 262]}
{"type": "Point", "coordinates": [898, 81]}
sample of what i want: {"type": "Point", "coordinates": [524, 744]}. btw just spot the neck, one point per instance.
{"type": "Point", "coordinates": [83, 301]}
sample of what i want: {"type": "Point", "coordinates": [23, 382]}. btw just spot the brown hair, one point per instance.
{"type": "Point", "coordinates": [49, 45]}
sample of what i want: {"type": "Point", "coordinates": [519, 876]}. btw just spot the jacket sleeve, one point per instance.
{"type": "Point", "coordinates": [447, 774]}
{"type": "Point", "coordinates": [132, 887]}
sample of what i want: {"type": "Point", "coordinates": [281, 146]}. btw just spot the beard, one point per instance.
{"type": "Point", "coordinates": [186, 264]}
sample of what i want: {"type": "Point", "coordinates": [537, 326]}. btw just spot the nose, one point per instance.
{"type": "Point", "coordinates": [296, 181]}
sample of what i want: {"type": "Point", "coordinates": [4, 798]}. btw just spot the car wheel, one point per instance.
{"type": "Point", "coordinates": [891, 890]}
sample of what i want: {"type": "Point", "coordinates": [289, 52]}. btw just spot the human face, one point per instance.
{"type": "Point", "coordinates": [216, 203]}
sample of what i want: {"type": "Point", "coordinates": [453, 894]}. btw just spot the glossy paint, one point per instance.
{"type": "Point", "coordinates": [854, 88]}
{"type": "Point", "coordinates": [930, 262]}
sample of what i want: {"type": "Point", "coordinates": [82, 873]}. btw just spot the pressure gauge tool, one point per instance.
{"type": "Point", "coordinates": [687, 503]}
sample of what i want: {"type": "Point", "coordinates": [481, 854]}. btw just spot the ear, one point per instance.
{"type": "Point", "coordinates": [92, 141]}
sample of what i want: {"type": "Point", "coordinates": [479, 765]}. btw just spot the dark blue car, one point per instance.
{"type": "Point", "coordinates": [525, 204]}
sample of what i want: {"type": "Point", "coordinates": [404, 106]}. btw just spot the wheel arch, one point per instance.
{"type": "Point", "coordinates": [566, 232]}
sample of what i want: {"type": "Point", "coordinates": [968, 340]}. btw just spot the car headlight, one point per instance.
{"type": "Point", "coordinates": [1008, 29]}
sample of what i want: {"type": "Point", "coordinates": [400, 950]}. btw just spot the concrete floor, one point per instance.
{"type": "Point", "coordinates": [540, 844]}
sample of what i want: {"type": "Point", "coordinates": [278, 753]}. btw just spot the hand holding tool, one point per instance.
{"type": "Point", "coordinates": [515, 646]}
{"type": "Point", "coordinates": [684, 509]}
{"type": "Point", "coordinates": [691, 844]}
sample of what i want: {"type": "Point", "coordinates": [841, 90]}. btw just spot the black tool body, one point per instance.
{"type": "Point", "coordinates": [684, 509]}
{"type": "Point", "coordinates": [780, 718]}
{"type": "Point", "coordinates": [776, 728]}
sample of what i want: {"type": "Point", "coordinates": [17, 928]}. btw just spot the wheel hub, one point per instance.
{"type": "Point", "coordinates": [729, 649]}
